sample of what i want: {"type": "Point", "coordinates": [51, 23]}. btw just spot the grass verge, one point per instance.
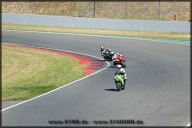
{"type": "Point", "coordinates": [27, 73]}
{"type": "Point", "coordinates": [137, 34]}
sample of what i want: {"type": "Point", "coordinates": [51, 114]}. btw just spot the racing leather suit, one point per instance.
{"type": "Point", "coordinates": [122, 72]}
{"type": "Point", "coordinates": [117, 55]}
{"type": "Point", "coordinates": [105, 52]}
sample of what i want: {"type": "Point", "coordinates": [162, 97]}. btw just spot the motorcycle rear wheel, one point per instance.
{"type": "Point", "coordinates": [124, 64]}
{"type": "Point", "coordinates": [123, 87]}
{"type": "Point", "coordinates": [118, 85]}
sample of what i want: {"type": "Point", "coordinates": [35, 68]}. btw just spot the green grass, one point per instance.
{"type": "Point", "coordinates": [27, 73]}
{"type": "Point", "coordinates": [138, 34]}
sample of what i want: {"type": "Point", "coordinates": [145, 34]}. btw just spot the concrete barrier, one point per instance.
{"type": "Point", "coordinates": [97, 23]}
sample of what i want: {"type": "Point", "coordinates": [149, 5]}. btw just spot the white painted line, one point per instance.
{"type": "Point", "coordinates": [108, 64]}
{"type": "Point", "coordinates": [101, 36]}
{"type": "Point", "coordinates": [188, 125]}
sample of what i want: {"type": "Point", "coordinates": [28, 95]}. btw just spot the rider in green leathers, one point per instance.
{"type": "Point", "coordinates": [121, 71]}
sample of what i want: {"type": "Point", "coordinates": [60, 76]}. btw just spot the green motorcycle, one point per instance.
{"type": "Point", "coordinates": [119, 81]}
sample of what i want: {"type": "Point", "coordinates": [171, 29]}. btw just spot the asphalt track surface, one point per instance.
{"type": "Point", "coordinates": [157, 90]}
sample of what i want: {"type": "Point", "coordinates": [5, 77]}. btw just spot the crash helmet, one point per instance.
{"type": "Point", "coordinates": [102, 48]}
{"type": "Point", "coordinates": [120, 54]}
{"type": "Point", "coordinates": [112, 53]}
{"type": "Point", "coordinates": [119, 66]}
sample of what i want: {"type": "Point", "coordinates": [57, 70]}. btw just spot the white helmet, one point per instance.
{"type": "Point", "coordinates": [112, 53]}
{"type": "Point", "coordinates": [119, 66]}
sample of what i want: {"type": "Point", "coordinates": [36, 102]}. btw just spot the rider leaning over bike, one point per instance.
{"type": "Point", "coordinates": [105, 51]}
{"type": "Point", "coordinates": [121, 71]}
{"type": "Point", "coordinates": [117, 55]}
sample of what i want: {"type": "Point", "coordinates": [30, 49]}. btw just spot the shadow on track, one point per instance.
{"type": "Point", "coordinates": [111, 89]}
{"type": "Point", "coordinates": [101, 60]}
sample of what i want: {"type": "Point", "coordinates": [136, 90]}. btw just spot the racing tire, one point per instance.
{"type": "Point", "coordinates": [118, 85]}
{"type": "Point", "coordinates": [124, 64]}
{"type": "Point", "coordinates": [114, 63]}
{"type": "Point", "coordinates": [123, 87]}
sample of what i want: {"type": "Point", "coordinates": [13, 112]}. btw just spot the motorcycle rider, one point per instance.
{"type": "Point", "coordinates": [120, 57]}
{"type": "Point", "coordinates": [105, 51]}
{"type": "Point", "coordinates": [117, 55]}
{"type": "Point", "coordinates": [114, 56]}
{"type": "Point", "coordinates": [121, 71]}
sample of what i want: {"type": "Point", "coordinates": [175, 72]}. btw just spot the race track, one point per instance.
{"type": "Point", "coordinates": [157, 91]}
